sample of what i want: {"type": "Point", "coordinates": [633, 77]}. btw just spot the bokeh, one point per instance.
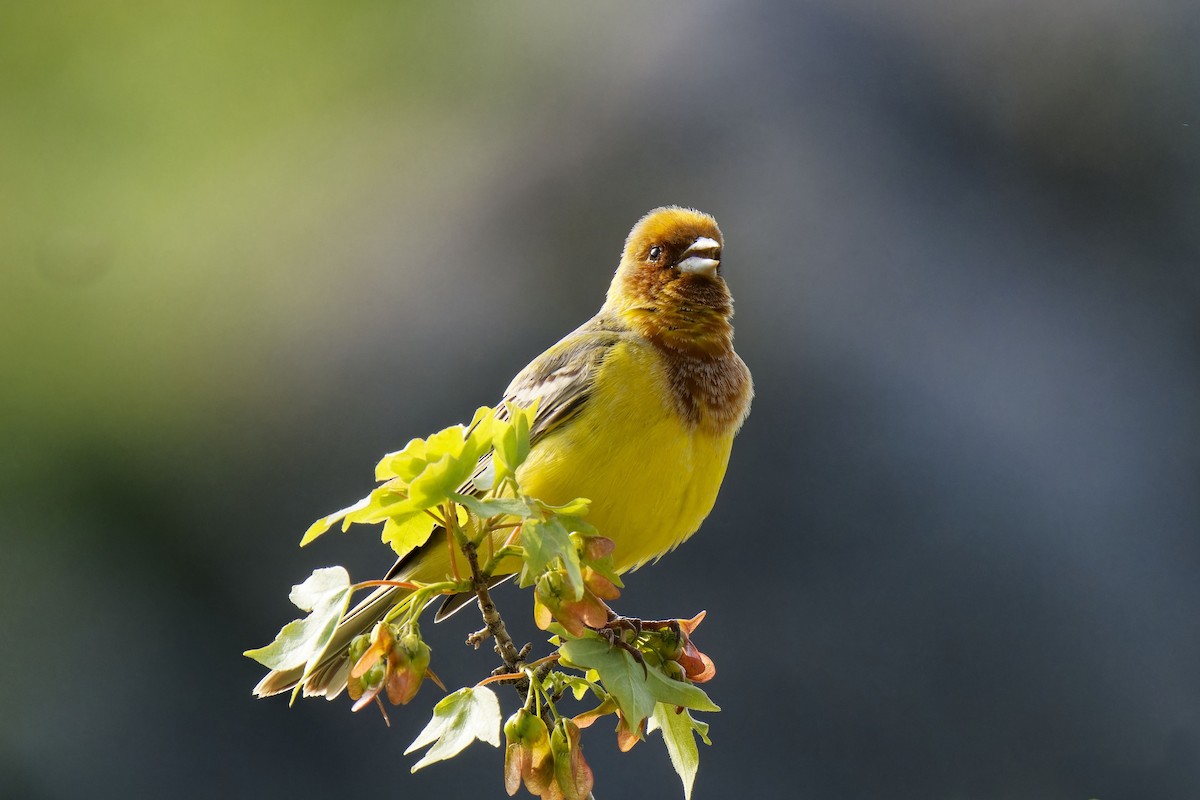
{"type": "Point", "coordinates": [246, 248]}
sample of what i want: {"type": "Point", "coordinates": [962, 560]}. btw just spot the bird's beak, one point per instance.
{"type": "Point", "coordinates": [702, 257]}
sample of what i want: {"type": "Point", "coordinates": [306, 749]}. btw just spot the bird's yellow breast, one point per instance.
{"type": "Point", "coordinates": [651, 476]}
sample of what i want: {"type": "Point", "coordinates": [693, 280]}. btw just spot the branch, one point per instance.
{"type": "Point", "coordinates": [514, 658]}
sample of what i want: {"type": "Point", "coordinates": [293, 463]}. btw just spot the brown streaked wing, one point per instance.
{"type": "Point", "coordinates": [561, 379]}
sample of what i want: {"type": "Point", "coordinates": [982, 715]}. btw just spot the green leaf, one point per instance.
{"type": "Point", "coordinates": [635, 689]}
{"type": "Point", "coordinates": [435, 483]}
{"type": "Point", "coordinates": [385, 501]}
{"type": "Point", "coordinates": [325, 523]}
{"type": "Point", "coordinates": [431, 469]}
{"type": "Point", "coordinates": [622, 677]}
{"type": "Point", "coordinates": [677, 730]}
{"type": "Point", "coordinates": [407, 532]}
{"type": "Point", "coordinates": [577, 525]}
{"type": "Point", "coordinates": [480, 431]}
{"type": "Point", "coordinates": [677, 693]}
{"type": "Point", "coordinates": [459, 719]}
{"type": "Point", "coordinates": [404, 464]}
{"type": "Point", "coordinates": [575, 508]}
{"type": "Point", "coordinates": [446, 442]}
{"type": "Point", "coordinates": [510, 439]}
{"type": "Point", "coordinates": [453, 458]}
{"type": "Point", "coordinates": [543, 543]}
{"type": "Point", "coordinates": [422, 475]}
{"type": "Point", "coordinates": [508, 506]}
{"type": "Point", "coordinates": [325, 593]}
{"type": "Point", "coordinates": [578, 686]}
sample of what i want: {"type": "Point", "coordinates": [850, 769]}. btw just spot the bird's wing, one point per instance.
{"type": "Point", "coordinates": [561, 379]}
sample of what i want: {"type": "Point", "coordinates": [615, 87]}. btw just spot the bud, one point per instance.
{"type": "Point", "coordinates": [358, 646]}
{"type": "Point", "coordinates": [553, 598]}
{"type": "Point", "coordinates": [407, 665]}
{"type": "Point", "coordinates": [382, 638]}
{"type": "Point", "coordinates": [675, 643]}
{"type": "Point", "coordinates": [370, 684]}
{"type": "Point", "coordinates": [668, 643]}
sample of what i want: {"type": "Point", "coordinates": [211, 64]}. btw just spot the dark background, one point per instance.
{"type": "Point", "coordinates": [249, 247]}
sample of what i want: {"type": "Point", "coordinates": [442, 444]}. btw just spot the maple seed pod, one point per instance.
{"type": "Point", "coordinates": [674, 670]}
{"type": "Point", "coordinates": [599, 585]}
{"type": "Point", "coordinates": [407, 665]}
{"type": "Point", "coordinates": [548, 599]}
{"type": "Point", "coordinates": [571, 771]}
{"type": "Point", "coordinates": [527, 754]}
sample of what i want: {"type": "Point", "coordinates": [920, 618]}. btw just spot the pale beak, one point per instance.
{"type": "Point", "coordinates": [702, 257]}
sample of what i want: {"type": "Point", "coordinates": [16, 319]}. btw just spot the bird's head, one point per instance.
{"type": "Point", "coordinates": [670, 273]}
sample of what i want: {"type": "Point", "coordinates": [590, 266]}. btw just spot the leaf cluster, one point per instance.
{"type": "Point", "coordinates": [464, 480]}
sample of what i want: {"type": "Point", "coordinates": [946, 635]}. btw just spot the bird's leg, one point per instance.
{"type": "Point", "coordinates": [660, 624]}
{"type": "Point", "coordinates": [615, 633]}
{"type": "Point", "coordinates": [618, 623]}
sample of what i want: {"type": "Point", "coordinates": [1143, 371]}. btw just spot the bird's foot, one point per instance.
{"type": "Point", "coordinates": [639, 626]}
{"type": "Point", "coordinates": [623, 632]}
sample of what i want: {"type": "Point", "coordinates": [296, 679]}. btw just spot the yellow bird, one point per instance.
{"type": "Point", "coordinates": [637, 410]}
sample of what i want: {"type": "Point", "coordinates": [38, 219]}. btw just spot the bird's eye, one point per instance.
{"type": "Point", "coordinates": [655, 252]}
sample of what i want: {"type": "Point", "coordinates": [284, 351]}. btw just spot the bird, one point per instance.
{"type": "Point", "coordinates": [637, 410]}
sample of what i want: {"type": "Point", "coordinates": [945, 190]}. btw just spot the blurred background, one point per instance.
{"type": "Point", "coordinates": [247, 248]}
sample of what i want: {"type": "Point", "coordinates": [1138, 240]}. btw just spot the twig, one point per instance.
{"type": "Point", "coordinates": [505, 648]}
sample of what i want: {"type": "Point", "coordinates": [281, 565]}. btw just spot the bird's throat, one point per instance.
{"type": "Point", "coordinates": [710, 384]}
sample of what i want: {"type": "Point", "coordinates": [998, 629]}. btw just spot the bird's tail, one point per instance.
{"type": "Point", "coordinates": [328, 678]}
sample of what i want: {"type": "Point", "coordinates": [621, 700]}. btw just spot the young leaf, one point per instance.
{"type": "Point", "coordinates": [510, 439]}
{"type": "Point", "coordinates": [453, 456]}
{"type": "Point", "coordinates": [681, 745]}
{"type": "Point", "coordinates": [407, 532]}
{"type": "Point", "coordinates": [483, 509]}
{"type": "Point", "coordinates": [325, 593]}
{"type": "Point", "coordinates": [385, 501]}
{"type": "Point", "coordinates": [544, 542]}
{"type": "Point", "coordinates": [479, 432]}
{"type": "Point", "coordinates": [577, 524]}
{"type": "Point", "coordinates": [436, 482]}
{"type": "Point", "coordinates": [458, 720]}
{"type": "Point", "coordinates": [325, 523]}
{"type": "Point", "coordinates": [575, 508]}
{"type": "Point", "coordinates": [578, 686]}
{"type": "Point", "coordinates": [404, 464]}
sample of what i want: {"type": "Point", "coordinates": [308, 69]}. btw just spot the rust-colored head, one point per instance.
{"type": "Point", "coordinates": [669, 281]}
